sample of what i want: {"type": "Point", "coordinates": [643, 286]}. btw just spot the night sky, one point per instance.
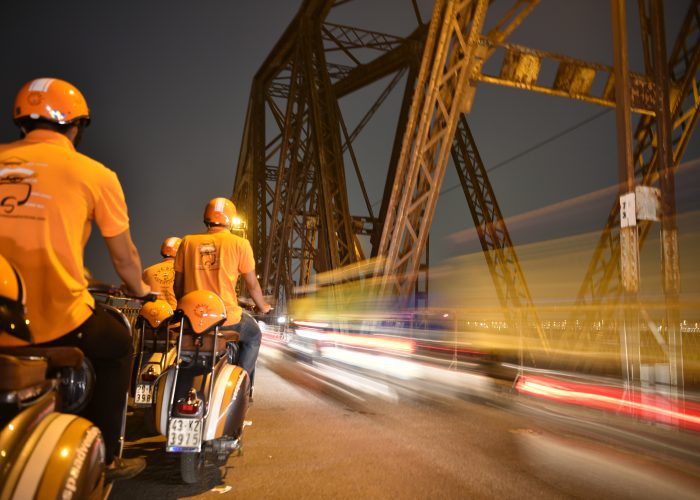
{"type": "Point", "coordinates": [168, 83]}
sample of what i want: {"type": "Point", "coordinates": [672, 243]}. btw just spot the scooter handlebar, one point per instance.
{"type": "Point", "coordinates": [115, 291]}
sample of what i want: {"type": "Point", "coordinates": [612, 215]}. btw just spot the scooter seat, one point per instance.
{"type": "Point", "coordinates": [188, 339]}
{"type": "Point", "coordinates": [20, 373]}
{"type": "Point", "coordinates": [55, 357]}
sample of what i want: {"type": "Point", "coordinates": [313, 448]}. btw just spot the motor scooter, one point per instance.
{"type": "Point", "coordinates": [125, 309]}
{"type": "Point", "coordinates": [156, 352]}
{"type": "Point", "coordinates": [45, 453]}
{"type": "Point", "coordinates": [201, 400]}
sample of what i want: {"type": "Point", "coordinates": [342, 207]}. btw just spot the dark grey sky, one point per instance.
{"type": "Point", "coordinates": [168, 82]}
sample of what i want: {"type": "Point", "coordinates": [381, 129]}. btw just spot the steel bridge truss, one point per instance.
{"type": "Point", "coordinates": [291, 176]}
{"type": "Point", "coordinates": [279, 182]}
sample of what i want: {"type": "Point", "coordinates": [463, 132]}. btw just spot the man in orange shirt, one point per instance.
{"type": "Point", "coordinates": [212, 261]}
{"type": "Point", "coordinates": [160, 276]}
{"type": "Point", "coordinates": [49, 196]}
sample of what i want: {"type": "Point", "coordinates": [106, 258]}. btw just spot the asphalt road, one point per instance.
{"type": "Point", "coordinates": [310, 439]}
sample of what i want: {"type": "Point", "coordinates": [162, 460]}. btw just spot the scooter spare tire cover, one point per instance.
{"type": "Point", "coordinates": [61, 456]}
{"type": "Point", "coordinates": [229, 403]}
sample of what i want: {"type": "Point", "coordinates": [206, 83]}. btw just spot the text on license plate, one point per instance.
{"type": "Point", "coordinates": [184, 434]}
{"type": "Point", "coordinates": [144, 394]}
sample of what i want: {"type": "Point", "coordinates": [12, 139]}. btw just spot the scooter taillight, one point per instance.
{"type": "Point", "coordinates": [189, 405]}
{"type": "Point", "coordinates": [185, 409]}
{"type": "Point", "coordinates": [149, 375]}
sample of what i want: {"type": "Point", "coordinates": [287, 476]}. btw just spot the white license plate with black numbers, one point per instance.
{"type": "Point", "coordinates": [185, 434]}
{"type": "Point", "coordinates": [144, 394]}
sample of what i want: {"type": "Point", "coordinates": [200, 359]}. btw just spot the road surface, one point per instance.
{"type": "Point", "coordinates": [310, 439]}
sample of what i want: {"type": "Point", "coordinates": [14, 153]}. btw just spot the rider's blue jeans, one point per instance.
{"type": "Point", "coordinates": [249, 344]}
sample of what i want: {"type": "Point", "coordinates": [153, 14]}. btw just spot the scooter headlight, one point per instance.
{"type": "Point", "coordinates": [75, 387]}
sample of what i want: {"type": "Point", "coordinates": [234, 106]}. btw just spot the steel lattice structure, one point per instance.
{"type": "Point", "coordinates": [291, 176]}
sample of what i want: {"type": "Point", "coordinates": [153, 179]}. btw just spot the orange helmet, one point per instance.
{"type": "Point", "coordinates": [219, 212]}
{"type": "Point", "coordinates": [12, 302]}
{"type": "Point", "coordinates": [156, 312]}
{"type": "Point", "coordinates": [204, 310]}
{"type": "Point", "coordinates": [50, 99]}
{"type": "Point", "coordinates": [170, 246]}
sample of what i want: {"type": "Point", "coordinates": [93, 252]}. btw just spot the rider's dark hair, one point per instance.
{"type": "Point", "coordinates": [28, 124]}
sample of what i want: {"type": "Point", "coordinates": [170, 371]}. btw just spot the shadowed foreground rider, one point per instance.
{"type": "Point", "coordinates": [50, 195]}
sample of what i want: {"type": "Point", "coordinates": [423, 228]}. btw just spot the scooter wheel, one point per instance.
{"type": "Point", "coordinates": [191, 466]}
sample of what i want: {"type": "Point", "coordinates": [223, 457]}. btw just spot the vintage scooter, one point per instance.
{"type": "Point", "coordinates": [201, 401]}
{"type": "Point", "coordinates": [44, 451]}
{"type": "Point", "coordinates": [125, 309]}
{"type": "Point", "coordinates": [156, 352]}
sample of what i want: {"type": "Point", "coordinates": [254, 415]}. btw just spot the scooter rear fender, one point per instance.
{"type": "Point", "coordinates": [51, 455]}
{"type": "Point", "coordinates": [229, 402]}
{"type": "Point", "coordinates": [161, 400]}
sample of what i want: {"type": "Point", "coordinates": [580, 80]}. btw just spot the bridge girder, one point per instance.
{"type": "Point", "coordinates": [292, 181]}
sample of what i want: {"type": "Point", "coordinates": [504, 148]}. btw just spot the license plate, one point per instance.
{"type": "Point", "coordinates": [184, 434]}
{"type": "Point", "coordinates": [144, 394]}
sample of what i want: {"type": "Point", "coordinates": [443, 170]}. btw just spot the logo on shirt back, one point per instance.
{"type": "Point", "coordinates": [15, 189]}
{"type": "Point", "coordinates": [208, 256]}
{"type": "Point", "coordinates": [165, 276]}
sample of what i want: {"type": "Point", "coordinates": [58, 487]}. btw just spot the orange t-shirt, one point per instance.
{"type": "Point", "coordinates": [212, 261]}
{"type": "Point", "coordinates": [160, 278]}
{"type": "Point", "coordinates": [49, 196]}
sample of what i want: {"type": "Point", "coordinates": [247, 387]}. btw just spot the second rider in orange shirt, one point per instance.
{"type": "Point", "coordinates": [212, 261]}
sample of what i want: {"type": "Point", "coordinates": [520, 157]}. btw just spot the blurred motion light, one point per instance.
{"type": "Point", "coordinates": [373, 342]}
{"type": "Point", "coordinates": [312, 324]}
{"type": "Point", "coordinates": [648, 406]}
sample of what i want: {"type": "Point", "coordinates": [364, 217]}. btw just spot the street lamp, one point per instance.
{"type": "Point", "coordinates": [239, 227]}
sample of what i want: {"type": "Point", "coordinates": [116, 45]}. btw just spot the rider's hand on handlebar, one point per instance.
{"type": "Point", "coordinates": [267, 309]}
{"type": "Point", "coordinates": [149, 297]}
{"type": "Point", "coordinates": [145, 295]}
{"type": "Point", "coordinates": [264, 314]}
